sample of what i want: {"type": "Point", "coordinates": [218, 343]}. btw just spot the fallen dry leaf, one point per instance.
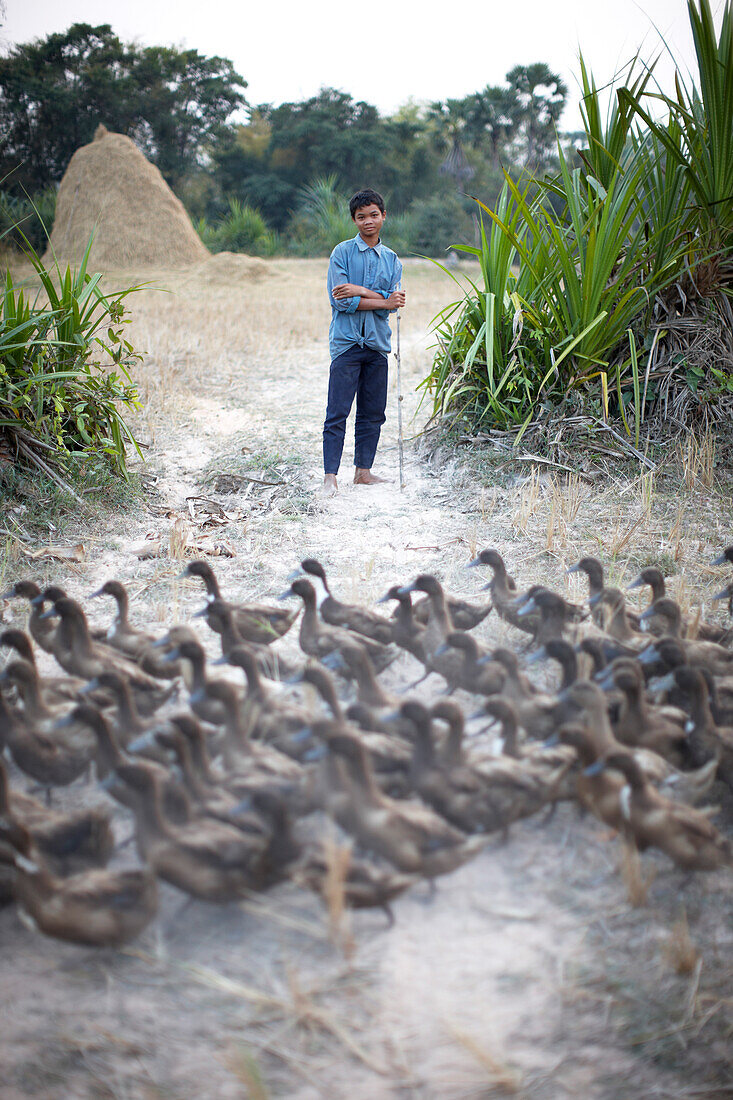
{"type": "Point", "coordinates": [78, 552]}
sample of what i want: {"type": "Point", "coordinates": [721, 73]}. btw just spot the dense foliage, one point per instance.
{"type": "Point", "coordinates": [64, 371]}
{"type": "Point", "coordinates": [583, 273]}
{"type": "Point", "coordinates": [55, 91]}
{"type": "Point", "coordinates": [231, 162]}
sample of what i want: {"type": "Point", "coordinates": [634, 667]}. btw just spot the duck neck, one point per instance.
{"type": "Point", "coordinates": [123, 609]}
{"type": "Point", "coordinates": [423, 755]}
{"type": "Point", "coordinates": [370, 691]}
{"type": "Point", "coordinates": [30, 693]}
{"type": "Point", "coordinates": [510, 737]}
{"type": "Point", "coordinates": [128, 715]}
{"type": "Point", "coordinates": [109, 754]}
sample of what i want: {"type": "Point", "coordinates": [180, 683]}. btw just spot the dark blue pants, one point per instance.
{"type": "Point", "coordinates": [361, 373]}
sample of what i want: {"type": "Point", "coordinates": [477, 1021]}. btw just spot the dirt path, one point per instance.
{"type": "Point", "coordinates": [528, 973]}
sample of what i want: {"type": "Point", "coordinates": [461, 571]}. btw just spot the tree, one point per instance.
{"type": "Point", "coordinates": [540, 97]}
{"type": "Point", "coordinates": [55, 91]}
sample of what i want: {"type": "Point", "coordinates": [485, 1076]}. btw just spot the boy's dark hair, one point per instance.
{"type": "Point", "coordinates": [365, 198]}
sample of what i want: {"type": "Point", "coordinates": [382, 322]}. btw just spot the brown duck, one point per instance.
{"type": "Point", "coordinates": [254, 622]}
{"type": "Point", "coordinates": [332, 611]}
{"type": "Point", "coordinates": [95, 908]}
{"type": "Point", "coordinates": [686, 835]}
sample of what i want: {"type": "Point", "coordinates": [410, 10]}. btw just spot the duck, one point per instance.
{"type": "Point", "coordinates": [48, 759]}
{"type": "Point", "coordinates": [476, 674]}
{"type": "Point", "coordinates": [537, 711]}
{"type": "Point", "coordinates": [599, 792]}
{"type": "Point", "coordinates": [713, 656]}
{"type": "Point", "coordinates": [254, 622]}
{"type": "Point", "coordinates": [41, 630]}
{"type": "Point", "coordinates": [323, 683]}
{"type": "Point", "coordinates": [437, 628]}
{"type": "Point", "coordinates": [37, 714]}
{"type": "Point", "coordinates": [584, 704]}
{"type": "Point", "coordinates": [121, 634]}
{"type": "Point", "coordinates": [128, 721]}
{"type": "Point", "coordinates": [220, 618]}
{"type": "Point", "coordinates": [504, 591]}
{"type": "Point", "coordinates": [593, 570]}
{"type": "Point", "coordinates": [318, 639]}
{"type": "Point", "coordinates": [206, 858]}
{"type": "Point", "coordinates": [66, 842]}
{"type": "Point", "coordinates": [365, 883]}
{"type": "Point", "coordinates": [640, 724]}
{"type": "Point", "coordinates": [412, 837]}
{"type": "Point", "coordinates": [476, 799]}
{"type": "Point", "coordinates": [541, 755]}
{"type": "Point", "coordinates": [95, 908]}
{"type": "Point", "coordinates": [369, 690]}
{"type": "Point", "coordinates": [265, 716]}
{"type": "Point", "coordinates": [54, 689]}
{"type": "Point", "coordinates": [557, 649]}
{"type": "Point", "coordinates": [706, 739]}
{"type": "Point", "coordinates": [389, 756]}
{"type": "Point", "coordinates": [192, 655]}
{"type": "Point", "coordinates": [109, 757]}
{"type": "Point", "coordinates": [653, 577]}
{"type": "Point", "coordinates": [332, 611]}
{"type": "Point", "coordinates": [554, 612]}
{"type": "Point", "coordinates": [81, 655]}
{"type": "Point", "coordinates": [650, 820]}
{"type": "Point", "coordinates": [207, 800]}
{"type": "Point", "coordinates": [406, 631]}
{"type": "Point", "coordinates": [242, 755]}
{"type": "Point", "coordinates": [616, 620]}
{"type": "Point", "coordinates": [705, 631]}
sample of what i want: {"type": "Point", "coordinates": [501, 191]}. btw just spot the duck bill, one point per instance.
{"type": "Point", "coordinates": [595, 769]}
{"type": "Point", "coordinates": [527, 607]}
{"type": "Point", "coordinates": [573, 568]}
{"type": "Point", "coordinates": [95, 595]}
{"type": "Point", "coordinates": [473, 564]}
{"type": "Point", "coordinates": [286, 595]}
{"type": "Point", "coordinates": [723, 595]}
{"type": "Point", "coordinates": [142, 744]}
{"type": "Point", "coordinates": [720, 560]}
{"type": "Point", "coordinates": [202, 613]}
{"type": "Point", "coordinates": [638, 583]}
{"type": "Point", "coordinates": [296, 573]}
{"type": "Point", "coordinates": [536, 655]}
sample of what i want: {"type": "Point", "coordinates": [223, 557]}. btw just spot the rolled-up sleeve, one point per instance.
{"type": "Point", "coordinates": [337, 274]}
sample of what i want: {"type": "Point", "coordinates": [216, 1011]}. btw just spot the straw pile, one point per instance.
{"type": "Point", "coordinates": [111, 190]}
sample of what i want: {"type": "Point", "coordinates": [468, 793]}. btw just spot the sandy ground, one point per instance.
{"type": "Point", "coordinates": [529, 973]}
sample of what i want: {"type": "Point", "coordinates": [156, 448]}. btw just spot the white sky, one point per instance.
{"type": "Point", "coordinates": [385, 53]}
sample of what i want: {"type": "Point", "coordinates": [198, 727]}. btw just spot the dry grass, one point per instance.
{"type": "Point", "coordinates": [679, 950]}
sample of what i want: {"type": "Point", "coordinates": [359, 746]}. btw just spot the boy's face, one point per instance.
{"type": "Point", "coordinates": [369, 221]}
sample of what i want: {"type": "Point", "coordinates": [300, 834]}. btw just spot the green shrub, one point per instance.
{"type": "Point", "coordinates": [241, 229]}
{"type": "Point", "coordinates": [64, 369]}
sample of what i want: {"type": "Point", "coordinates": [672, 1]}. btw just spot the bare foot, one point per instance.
{"type": "Point", "coordinates": [330, 486]}
{"type": "Point", "coordinates": [366, 477]}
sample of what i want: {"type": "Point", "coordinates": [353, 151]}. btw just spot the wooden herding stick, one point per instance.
{"type": "Point", "coordinates": [399, 407]}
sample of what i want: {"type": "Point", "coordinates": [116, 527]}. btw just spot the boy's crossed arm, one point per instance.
{"type": "Point", "coordinates": [368, 299]}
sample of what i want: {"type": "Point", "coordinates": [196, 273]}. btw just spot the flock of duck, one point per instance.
{"type": "Point", "coordinates": [233, 792]}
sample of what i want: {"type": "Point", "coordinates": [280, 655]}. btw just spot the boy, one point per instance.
{"type": "Point", "coordinates": [363, 277]}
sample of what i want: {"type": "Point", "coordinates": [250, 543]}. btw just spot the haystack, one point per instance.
{"type": "Point", "coordinates": [111, 190]}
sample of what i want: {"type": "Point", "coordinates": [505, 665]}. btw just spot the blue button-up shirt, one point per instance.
{"type": "Point", "coordinates": [377, 268]}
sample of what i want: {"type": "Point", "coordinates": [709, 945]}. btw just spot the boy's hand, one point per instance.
{"type": "Point", "coordinates": [396, 300]}
{"type": "Point", "coordinates": [348, 290]}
